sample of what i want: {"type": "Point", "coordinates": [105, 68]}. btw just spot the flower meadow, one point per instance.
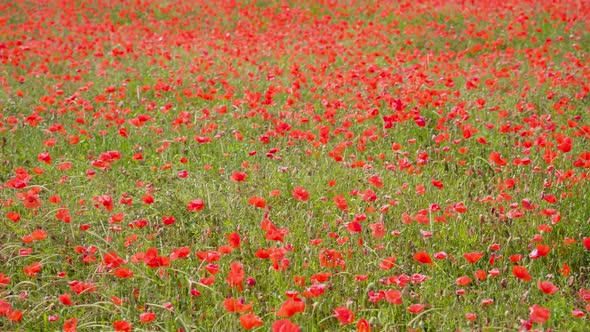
{"type": "Point", "coordinates": [294, 165]}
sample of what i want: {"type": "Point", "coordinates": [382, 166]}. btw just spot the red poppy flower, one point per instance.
{"type": "Point", "coordinates": [564, 143]}
{"type": "Point", "coordinates": [420, 121]}
{"type": "Point", "coordinates": [123, 273]}
{"type": "Point", "coordinates": [473, 257]}
{"type": "Point", "coordinates": [212, 268]}
{"type": "Point", "coordinates": [521, 273]}
{"type": "Point", "coordinates": [496, 158]}
{"type": "Point", "coordinates": [539, 314]}
{"type": "Point", "coordinates": [440, 255]}
{"type": "Point", "coordinates": [387, 263]}
{"type": "Point", "coordinates": [44, 157]}
{"type": "Point", "coordinates": [39, 234]}
{"type": "Point", "coordinates": [340, 202]}
{"type": "Point", "coordinates": [235, 277]}
{"type": "Point", "coordinates": [233, 305]}
{"type": "Point", "coordinates": [122, 325]}
{"type": "Point", "coordinates": [393, 296]}
{"type": "Point", "coordinates": [65, 299]}
{"type": "Point", "coordinates": [437, 183]}
{"type": "Point", "coordinates": [13, 216]}
{"type": "Point", "coordinates": [363, 326]}
{"type": "Point", "coordinates": [82, 287]}
{"type": "Point", "coordinates": [377, 229]}
{"type": "Point", "coordinates": [239, 176]}
{"type": "Point", "coordinates": [290, 307]}
{"type": "Point", "coordinates": [148, 199]}
{"type": "Point", "coordinates": [354, 227]}
{"type": "Point", "coordinates": [481, 275]}
{"type": "Point", "coordinates": [422, 257]}
{"type": "Point", "coordinates": [208, 281]}
{"type": "Point", "coordinates": [250, 321]}
{"type": "Point", "coordinates": [208, 256]}
{"type": "Point", "coordinates": [4, 280]}
{"type": "Point", "coordinates": [119, 301]}
{"type": "Point", "coordinates": [300, 194]}
{"type": "Point", "coordinates": [70, 325]}
{"type": "Point", "coordinates": [583, 160]}
{"type": "Point", "coordinates": [321, 277]}
{"type": "Point", "coordinates": [376, 181]}
{"type": "Point", "coordinates": [344, 315]}
{"type": "Point", "coordinates": [195, 205]}
{"type": "Point", "coordinates": [463, 281]}
{"type": "Point", "coordinates": [178, 253]}
{"type": "Point", "coordinates": [112, 260]}
{"type": "Point", "coordinates": [157, 261]}
{"type": "Point", "coordinates": [32, 269]}
{"type": "Point", "coordinates": [470, 316]}
{"type": "Point", "coordinates": [315, 290]}
{"type": "Point", "coordinates": [565, 270]}
{"type": "Point", "coordinates": [146, 317]}
{"type": "Point", "coordinates": [547, 287]}
{"type": "Point", "coordinates": [284, 325]}
{"type": "Point", "coordinates": [416, 308]}
{"type": "Point", "coordinates": [168, 220]}
{"type": "Point", "coordinates": [362, 277]}
{"type": "Point", "coordinates": [420, 190]}
{"type": "Point", "coordinates": [233, 239]}
{"type": "Point", "coordinates": [257, 201]}
{"type": "Point", "coordinates": [5, 308]}
{"type": "Point", "coordinates": [15, 316]}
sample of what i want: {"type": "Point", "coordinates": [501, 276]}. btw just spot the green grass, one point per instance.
{"type": "Point", "coordinates": [326, 74]}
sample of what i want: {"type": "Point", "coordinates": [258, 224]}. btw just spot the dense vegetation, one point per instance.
{"type": "Point", "coordinates": [303, 165]}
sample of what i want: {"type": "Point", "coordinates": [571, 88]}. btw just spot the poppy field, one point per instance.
{"type": "Point", "coordinates": [294, 165]}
